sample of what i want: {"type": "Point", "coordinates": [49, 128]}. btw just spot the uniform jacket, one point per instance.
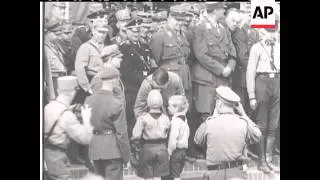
{"type": "Point", "coordinates": [225, 137]}
{"type": "Point", "coordinates": [67, 127]}
{"type": "Point", "coordinates": [108, 112]}
{"type": "Point", "coordinates": [88, 63]}
{"type": "Point", "coordinates": [134, 67]}
{"type": "Point", "coordinates": [213, 51]}
{"type": "Point", "coordinates": [243, 39]}
{"type": "Point", "coordinates": [174, 87]}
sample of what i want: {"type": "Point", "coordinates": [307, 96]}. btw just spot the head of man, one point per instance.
{"type": "Point", "coordinates": [160, 79]}
{"type": "Point", "coordinates": [123, 17]}
{"type": "Point", "coordinates": [176, 18]}
{"type": "Point", "coordinates": [133, 29]}
{"type": "Point", "coordinates": [99, 32]}
{"type": "Point", "coordinates": [271, 34]}
{"type": "Point", "coordinates": [96, 12]}
{"type": "Point", "coordinates": [233, 18]}
{"type": "Point", "coordinates": [215, 10]}
{"type": "Point", "coordinates": [54, 30]}
{"type": "Point", "coordinates": [226, 100]}
{"type": "Point", "coordinates": [67, 87]}
{"type": "Point", "coordinates": [58, 10]}
{"type": "Point", "coordinates": [111, 56]}
{"type": "Point", "coordinates": [178, 104]}
{"type": "Point", "coordinates": [67, 30]}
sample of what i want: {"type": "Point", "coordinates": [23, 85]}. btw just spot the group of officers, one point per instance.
{"type": "Point", "coordinates": [128, 51]}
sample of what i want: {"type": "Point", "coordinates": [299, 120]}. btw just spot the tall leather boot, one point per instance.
{"type": "Point", "coordinates": [269, 156]}
{"type": "Point", "coordinates": [263, 166]}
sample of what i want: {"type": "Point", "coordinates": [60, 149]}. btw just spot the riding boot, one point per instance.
{"type": "Point", "coordinates": [263, 166]}
{"type": "Point", "coordinates": [269, 156]}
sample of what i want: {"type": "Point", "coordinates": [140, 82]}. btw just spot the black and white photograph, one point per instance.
{"type": "Point", "coordinates": [159, 91]}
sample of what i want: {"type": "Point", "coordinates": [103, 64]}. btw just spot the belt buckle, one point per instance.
{"type": "Point", "coordinates": [271, 75]}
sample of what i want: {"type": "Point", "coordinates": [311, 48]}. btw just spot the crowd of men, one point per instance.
{"type": "Point", "coordinates": [145, 85]}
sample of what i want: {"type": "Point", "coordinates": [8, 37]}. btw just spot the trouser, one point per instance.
{"type": "Point", "coordinates": [225, 174]}
{"type": "Point", "coordinates": [243, 94]}
{"type": "Point", "coordinates": [268, 112]}
{"type": "Point", "coordinates": [110, 169]}
{"type": "Point", "coordinates": [57, 163]}
{"type": "Point", "coordinates": [131, 120]}
{"type": "Point", "coordinates": [81, 94]}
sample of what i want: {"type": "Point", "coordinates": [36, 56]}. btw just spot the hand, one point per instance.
{"type": "Point", "coordinates": [240, 109]}
{"type": "Point", "coordinates": [253, 104]}
{"type": "Point", "coordinates": [226, 71]}
{"type": "Point", "coordinates": [86, 113]}
{"type": "Point", "coordinates": [90, 91]}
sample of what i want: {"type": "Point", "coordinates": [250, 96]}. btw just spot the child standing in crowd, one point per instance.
{"type": "Point", "coordinates": [179, 134]}
{"type": "Point", "coordinates": [152, 129]}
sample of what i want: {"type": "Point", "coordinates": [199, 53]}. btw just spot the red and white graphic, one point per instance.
{"type": "Point", "coordinates": [263, 13]}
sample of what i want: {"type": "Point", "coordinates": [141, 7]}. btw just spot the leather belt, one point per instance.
{"type": "Point", "coordinates": [226, 165]}
{"type": "Point", "coordinates": [269, 75]}
{"type": "Point", "coordinates": [104, 132]}
{"type": "Point", "coordinates": [154, 141]}
{"type": "Point", "coordinates": [55, 147]}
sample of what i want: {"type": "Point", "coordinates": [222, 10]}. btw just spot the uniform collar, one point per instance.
{"type": "Point", "coordinates": [179, 114]}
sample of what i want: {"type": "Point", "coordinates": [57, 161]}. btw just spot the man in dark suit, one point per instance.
{"type": "Point", "coordinates": [134, 68]}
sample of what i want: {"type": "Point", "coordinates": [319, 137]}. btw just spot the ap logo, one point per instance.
{"type": "Point", "coordinates": [263, 13]}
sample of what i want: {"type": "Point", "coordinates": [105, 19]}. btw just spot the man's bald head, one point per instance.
{"type": "Point", "coordinates": [233, 17]}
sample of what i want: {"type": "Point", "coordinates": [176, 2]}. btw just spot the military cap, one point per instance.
{"type": "Point", "coordinates": [110, 51]}
{"type": "Point", "coordinates": [214, 5]}
{"type": "Point", "coordinates": [154, 101]}
{"type": "Point", "coordinates": [145, 16]}
{"type": "Point", "coordinates": [96, 9]}
{"type": "Point", "coordinates": [59, 4]}
{"type": "Point", "coordinates": [53, 26]}
{"type": "Point", "coordinates": [66, 26]}
{"type": "Point", "coordinates": [123, 14]}
{"type": "Point", "coordinates": [109, 74]}
{"type": "Point", "coordinates": [67, 83]}
{"type": "Point", "coordinates": [160, 16]}
{"type": "Point", "coordinates": [227, 95]}
{"type": "Point", "coordinates": [177, 13]}
{"type": "Point", "coordinates": [134, 23]}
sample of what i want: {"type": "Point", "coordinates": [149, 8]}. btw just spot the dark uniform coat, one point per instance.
{"type": "Point", "coordinates": [134, 68]}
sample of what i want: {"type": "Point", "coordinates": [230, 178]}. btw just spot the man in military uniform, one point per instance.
{"type": "Point", "coordinates": [88, 60]}
{"type": "Point", "coordinates": [243, 37]}
{"type": "Point", "coordinates": [134, 68]}
{"type": "Point", "coordinates": [146, 24]}
{"type": "Point", "coordinates": [57, 11]}
{"type": "Point", "coordinates": [109, 148]}
{"type": "Point", "coordinates": [84, 33]}
{"type": "Point", "coordinates": [171, 48]}
{"type": "Point", "coordinates": [123, 17]}
{"type": "Point", "coordinates": [54, 57]}
{"type": "Point", "coordinates": [263, 86]}
{"type": "Point", "coordinates": [226, 134]}
{"type": "Point", "coordinates": [215, 59]}
{"type": "Point", "coordinates": [61, 125]}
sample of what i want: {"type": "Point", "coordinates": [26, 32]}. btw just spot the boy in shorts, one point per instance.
{"type": "Point", "coordinates": [152, 129]}
{"type": "Point", "coordinates": [179, 134]}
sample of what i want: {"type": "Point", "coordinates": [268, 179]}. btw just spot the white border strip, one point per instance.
{"type": "Point", "coordinates": [41, 91]}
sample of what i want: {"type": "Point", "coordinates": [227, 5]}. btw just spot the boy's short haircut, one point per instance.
{"type": "Point", "coordinates": [181, 101]}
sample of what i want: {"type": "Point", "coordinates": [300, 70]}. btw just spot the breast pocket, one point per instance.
{"type": "Point", "coordinates": [95, 60]}
{"type": "Point", "coordinates": [170, 50]}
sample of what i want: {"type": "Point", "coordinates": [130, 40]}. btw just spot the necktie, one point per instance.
{"type": "Point", "coordinates": [273, 67]}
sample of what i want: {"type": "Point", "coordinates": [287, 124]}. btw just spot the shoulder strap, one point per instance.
{"type": "Point", "coordinates": [53, 126]}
